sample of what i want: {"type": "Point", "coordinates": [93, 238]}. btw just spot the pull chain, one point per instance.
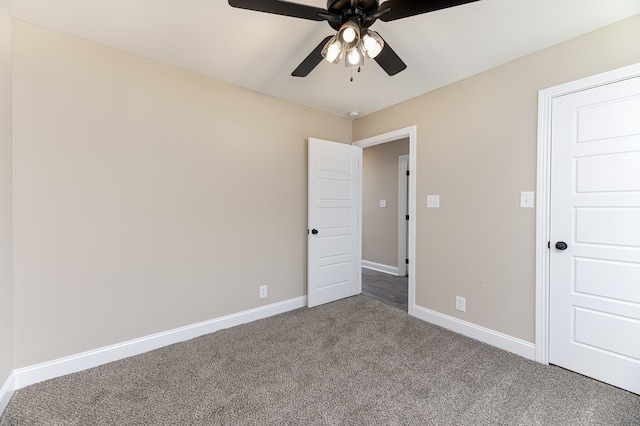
{"type": "Point", "coordinates": [351, 70]}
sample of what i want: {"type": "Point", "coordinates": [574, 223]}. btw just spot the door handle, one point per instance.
{"type": "Point", "coordinates": [314, 231]}
{"type": "Point", "coordinates": [561, 245]}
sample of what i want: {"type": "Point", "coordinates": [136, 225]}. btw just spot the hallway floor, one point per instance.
{"type": "Point", "coordinates": [386, 288]}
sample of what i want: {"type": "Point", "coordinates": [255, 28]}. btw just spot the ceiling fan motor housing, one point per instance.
{"type": "Point", "coordinates": [352, 10]}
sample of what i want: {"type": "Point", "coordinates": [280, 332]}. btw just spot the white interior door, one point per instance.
{"type": "Point", "coordinates": [594, 316]}
{"type": "Point", "coordinates": [333, 244]}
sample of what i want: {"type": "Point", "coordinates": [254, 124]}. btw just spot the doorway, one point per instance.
{"type": "Point", "coordinates": [384, 222]}
{"type": "Point", "coordinates": [410, 134]}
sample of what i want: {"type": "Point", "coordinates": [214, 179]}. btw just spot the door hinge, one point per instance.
{"type": "Point", "coordinates": [406, 217]}
{"type": "Point", "coordinates": [406, 261]}
{"type": "Point", "coordinates": [407, 172]}
{"type": "Point", "coordinates": [549, 244]}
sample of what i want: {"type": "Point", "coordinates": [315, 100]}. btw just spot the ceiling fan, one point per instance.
{"type": "Point", "coordinates": [351, 19]}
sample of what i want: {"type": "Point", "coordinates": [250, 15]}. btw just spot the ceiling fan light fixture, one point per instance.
{"type": "Point", "coordinates": [354, 57]}
{"type": "Point", "coordinates": [333, 51]}
{"type": "Point", "coordinates": [371, 44]}
{"type": "Point", "coordinates": [349, 35]}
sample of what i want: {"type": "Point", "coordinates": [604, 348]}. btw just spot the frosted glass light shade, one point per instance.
{"type": "Point", "coordinates": [333, 51]}
{"type": "Point", "coordinates": [354, 57]}
{"type": "Point", "coordinates": [371, 44]}
{"type": "Point", "coordinates": [349, 35]}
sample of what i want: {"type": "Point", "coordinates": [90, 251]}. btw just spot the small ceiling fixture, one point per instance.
{"type": "Point", "coordinates": [351, 19]}
{"type": "Point", "coordinates": [354, 114]}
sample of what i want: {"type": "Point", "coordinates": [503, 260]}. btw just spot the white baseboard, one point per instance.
{"type": "Point", "coordinates": [6, 391]}
{"type": "Point", "coordinates": [59, 367]}
{"type": "Point", "coordinates": [492, 337]}
{"type": "Point", "coordinates": [26, 376]}
{"type": "Point", "coordinates": [380, 267]}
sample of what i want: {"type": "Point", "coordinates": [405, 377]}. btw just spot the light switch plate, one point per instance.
{"type": "Point", "coordinates": [526, 200]}
{"type": "Point", "coordinates": [383, 203]}
{"type": "Point", "coordinates": [433, 201]}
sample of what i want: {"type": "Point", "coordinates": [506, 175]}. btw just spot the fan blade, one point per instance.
{"type": "Point", "coordinates": [389, 60]}
{"type": "Point", "coordinates": [405, 8]}
{"type": "Point", "coordinates": [280, 7]}
{"type": "Point", "coordinates": [311, 61]}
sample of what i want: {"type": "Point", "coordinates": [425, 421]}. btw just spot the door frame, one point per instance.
{"type": "Point", "coordinates": [543, 189]}
{"type": "Point", "coordinates": [403, 226]}
{"type": "Point", "coordinates": [411, 133]}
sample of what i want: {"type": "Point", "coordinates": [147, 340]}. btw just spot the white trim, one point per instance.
{"type": "Point", "coordinates": [403, 226]}
{"type": "Point", "coordinates": [543, 193]}
{"type": "Point", "coordinates": [543, 190]}
{"type": "Point", "coordinates": [387, 269]}
{"type": "Point", "coordinates": [492, 337]}
{"type": "Point", "coordinates": [410, 132]}
{"type": "Point", "coordinates": [6, 391]}
{"type": "Point", "coordinates": [59, 367]}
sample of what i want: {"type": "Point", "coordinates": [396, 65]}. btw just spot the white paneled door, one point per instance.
{"type": "Point", "coordinates": [595, 233]}
{"type": "Point", "coordinates": [333, 267]}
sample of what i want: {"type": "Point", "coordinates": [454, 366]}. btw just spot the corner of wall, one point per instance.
{"type": "Point", "coordinates": [6, 207]}
{"type": "Point", "coordinates": [6, 392]}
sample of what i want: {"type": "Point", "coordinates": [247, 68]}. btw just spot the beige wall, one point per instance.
{"type": "Point", "coordinates": [5, 195]}
{"type": "Point", "coordinates": [380, 182]}
{"type": "Point", "coordinates": [477, 150]}
{"type": "Point", "coordinates": [147, 197]}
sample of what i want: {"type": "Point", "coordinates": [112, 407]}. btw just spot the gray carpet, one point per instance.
{"type": "Point", "coordinates": [351, 362]}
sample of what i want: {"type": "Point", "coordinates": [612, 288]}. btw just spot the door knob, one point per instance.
{"type": "Point", "coordinates": [561, 245]}
{"type": "Point", "coordinates": [314, 231]}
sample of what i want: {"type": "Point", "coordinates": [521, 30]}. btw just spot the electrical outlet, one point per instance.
{"type": "Point", "coordinates": [461, 304]}
{"type": "Point", "coordinates": [263, 291]}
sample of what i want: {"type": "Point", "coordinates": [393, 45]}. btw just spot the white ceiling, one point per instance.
{"type": "Point", "coordinates": [259, 51]}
